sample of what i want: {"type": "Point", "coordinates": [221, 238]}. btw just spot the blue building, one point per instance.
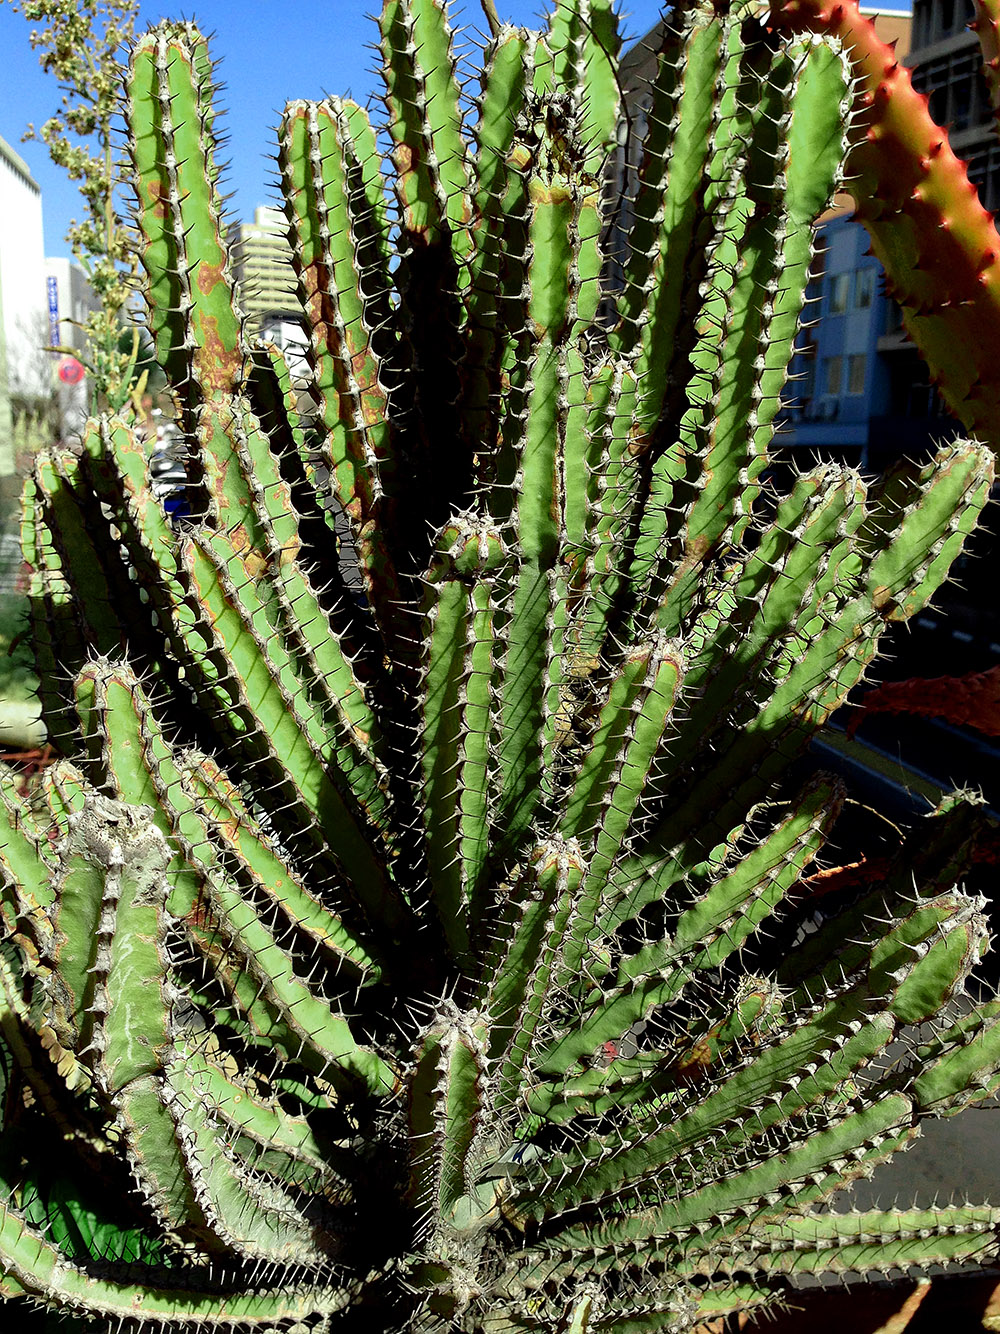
{"type": "Point", "coordinates": [858, 392]}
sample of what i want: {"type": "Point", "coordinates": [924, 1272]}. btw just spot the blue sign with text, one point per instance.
{"type": "Point", "coordinates": [53, 290]}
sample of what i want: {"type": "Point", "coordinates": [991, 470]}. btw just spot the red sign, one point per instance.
{"type": "Point", "coordinates": [70, 371]}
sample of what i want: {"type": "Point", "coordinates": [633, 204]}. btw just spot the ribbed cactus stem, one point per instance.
{"type": "Point", "coordinates": [937, 242]}
{"type": "Point", "coordinates": [410, 926]}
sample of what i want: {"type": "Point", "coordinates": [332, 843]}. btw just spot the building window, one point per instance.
{"type": "Point", "coordinates": [814, 279]}
{"type": "Point", "coordinates": [933, 79]}
{"type": "Point", "coordinates": [864, 288]}
{"type": "Point", "coordinates": [840, 287]}
{"type": "Point", "coordinates": [953, 85]}
{"type": "Point", "coordinates": [961, 104]}
{"type": "Point", "coordinates": [921, 25]}
{"type": "Point", "coordinates": [834, 374]}
{"type": "Point", "coordinates": [949, 17]}
{"type": "Point", "coordinates": [856, 375]}
{"type": "Point", "coordinates": [984, 170]}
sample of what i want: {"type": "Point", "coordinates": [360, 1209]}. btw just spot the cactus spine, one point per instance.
{"type": "Point", "coordinates": [408, 949]}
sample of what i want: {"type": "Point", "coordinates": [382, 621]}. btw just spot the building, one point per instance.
{"type": "Point", "coordinates": [838, 384]}
{"type": "Point", "coordinates": [859, 392]}
{"type": "Point", "coordinates": [946, 62]}
{"type": "Point", "coordinates": [288, 334]}
{"type": "Point", "coordinates": [44, 303]}
{"type": "Point", "coordinates": [262, 261]}
{"type": "Point", "coordinates": [25, 366]}
{"type": "Point", "coordinates": [833, 399]}
{"type": "Point", "coordinates": [24, 320]}
{"type": "Point", "coordinates": [71, 301]}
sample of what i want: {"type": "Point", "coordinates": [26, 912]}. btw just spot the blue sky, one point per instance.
{"type": "Point", "coordinates": [270, 51]}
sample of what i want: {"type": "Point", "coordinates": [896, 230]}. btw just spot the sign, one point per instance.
{"type": "Point", "coordinates": [52, 287]}
{"type": "Point", "coordinates": [70, 371]}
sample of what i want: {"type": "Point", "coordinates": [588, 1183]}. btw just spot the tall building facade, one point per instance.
{"type": "Point", "coordinates": [25, 368]}
{"type": "Point", "coordinates": [946, 63]}
{"type": "Point", "coordinates": [22, 275]}
{"type": "Point", "coordinates": [262, 260]}
{"type": "Point", "coordinates": [858, 391]}
{"type": "Point", "coordinates": [839, 396]}
{"type": "Point", "coordinates": [43, 301]}
{"type": "Point", "coordinates": [71, 300]}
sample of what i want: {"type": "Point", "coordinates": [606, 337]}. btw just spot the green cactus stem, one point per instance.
{"type": "Point", "coordinates": [412, 929]}
{"type": "Point", "coordinates": [936, 241]}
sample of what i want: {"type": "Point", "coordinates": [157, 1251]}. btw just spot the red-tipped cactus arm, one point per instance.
{"type": "Point", "coordinates": [938, 244]}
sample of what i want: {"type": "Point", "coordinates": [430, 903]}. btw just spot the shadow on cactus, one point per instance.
{"type": "Point", "coordinates": [393, 943]}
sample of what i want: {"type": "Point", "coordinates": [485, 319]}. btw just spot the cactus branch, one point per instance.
{"type": "Point", "coordinates": [935, 239]}
{"type": "Point", "coordinates": [409, 927]}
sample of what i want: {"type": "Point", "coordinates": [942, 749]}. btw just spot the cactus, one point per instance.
{"type": "Point", "coordinates": [406, 930]}
{"type": "Point", "coordinates": [986, 26]}
{"type": "Point", "coordinates": [965, 701]}
{"type": "Point", "coordinates": [938, 244]}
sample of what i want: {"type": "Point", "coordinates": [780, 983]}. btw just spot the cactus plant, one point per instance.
{"type": "Point", "coordinates": [939, 246]}
{"type": "Point", "coordinates": [966, 701]}
{"type": "Point", "coordinates": [405, 934]}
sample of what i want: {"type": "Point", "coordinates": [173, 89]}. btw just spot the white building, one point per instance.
{"type": "Point", "coordinates": [22, 277]}
{"type": "Point", "coordinates": [76, 300]}
{"type": "Point", "coordinates": [262, 263]}
{"type": "Point", "coordinates": [290, 337]}
{"type": "Point", "coordinates": [70, 300]}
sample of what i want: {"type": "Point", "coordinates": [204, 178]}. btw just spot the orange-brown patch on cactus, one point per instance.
{"type": "Point", "coordinates": [217, 364]}
{"type": "Point", "coordinates": [861, 874]}
{"type": "Point", "coordinates": [158, 193]}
